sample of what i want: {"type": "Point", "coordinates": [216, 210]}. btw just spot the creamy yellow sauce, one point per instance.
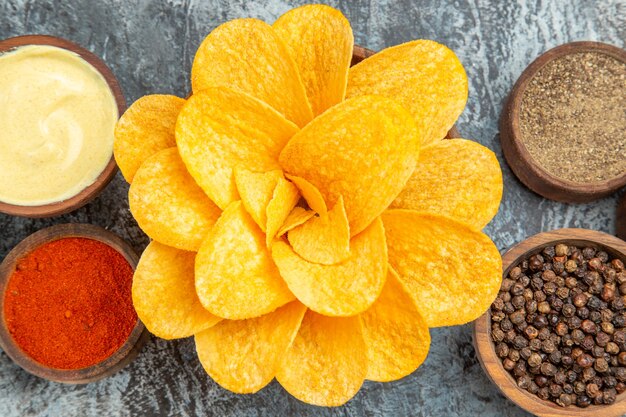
{"type": "Point", "coordinates": [57, 118]}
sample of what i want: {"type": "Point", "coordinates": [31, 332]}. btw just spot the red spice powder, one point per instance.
{"type": "Point", "coordinates": [68, 305]}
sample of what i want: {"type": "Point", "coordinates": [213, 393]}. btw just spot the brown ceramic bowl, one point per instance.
{"type": "Point", "coordinates": [485, 348]}
{"type": "Point", "coordinates": [122, 357]}
{"type": "Point", "coordinates": [89, 193]}
{"type": "Point", "coordinates": [533, 175]}
{"type": "Point", "coordinates": [359, 54]}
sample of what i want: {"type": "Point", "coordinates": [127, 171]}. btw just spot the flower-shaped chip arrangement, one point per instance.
{"type": "Point", "coordinates": [308, 222]}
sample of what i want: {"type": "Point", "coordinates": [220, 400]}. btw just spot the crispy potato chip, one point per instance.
{"type": "Point", "coordinates": [235, 276]}
{"type": "Point", "coordinates": [247, 55]}
{"type": "Point", "coordinates": [220, 129]}
{"type": "Point", "coordinates": [319, 39]}
{"type": "Point", "coordinates": [256, 190]}
{"type": "Point", "coordinates": [457, 178]}
{"type": "Point", "coordinates": [425, 76]}
{"type": "Point", "coordinates": [243, 355]}
{"type": "Point", "coordinates": [297, 216]}
{"type": "Point", "coordinates": [344, 289]}
{"type": "Point", "coordinates": [168, 205]}
{"type": "Point", "coordinates": [395, 334]}
{"type": "Point", "coordinates": [284, 199]}
{"type": "Point", "coordinates": [368, 166]}
{"type": "Point", "coordinates": [327, 362]}
{"type": "Point", "coordinates": [311, 194]}
{"type": "Point", "coordinates": [323, 241]}
{"type": "Point", "coordinates": [146, 128]}
{"type": "Point", "coordinates": [442, 263]}
{"type": "Point", "coordinates": [164, 294]}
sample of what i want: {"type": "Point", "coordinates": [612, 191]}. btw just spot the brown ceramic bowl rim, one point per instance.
{"type": "Point", "coordinates": [485, 347]}
{"type": "Point", "coordinates": [91, 191]}
{"type": "Point", "coordinates": [124, 355]}
{"type": "Point", "coordinates": [585, 191]}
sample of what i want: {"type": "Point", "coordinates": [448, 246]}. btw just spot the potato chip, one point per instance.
{"type": "Point", "coordinates": [457, 178]}
{"type": "Point", "coordinates": [298, 216]}
{"type": "Point", "coordinates": [363, 149]}
{"type": "Point", "coordinates": [284, 199]}
{"type": "Point", "coordinates": [323, 241]}
{"type": "Point", "coordinates": [319, 39]}
{"type": "Point", "coordinates": [327, 362]}
{"type": "Point", "coordinates": [311, 194]}
{"type": "Point", "coordinates": [452, 271]}
{"type": "Point", "coordinates": [395, 334]}
{"type": "Point", "coordinates": [220, 129]}
{"type": "Point", "coordinates": [243, 355]}
{"type": "Point", "coordinates": [168, 205]}
{"type": "Point", "coordinates": [343, 289]}
{"type": "Point", "coordinates": [164, 294]}
{"type": "Point", "coordinates": [146, 128]}
{"type": "Point", "coordinates": [425, 76]}
{"type": "Point", "coordinates": [235, 276]}
{"type": "Point", "coordinates": [247, 55]}
{"type": "Point", "coordinates": [256, 190]}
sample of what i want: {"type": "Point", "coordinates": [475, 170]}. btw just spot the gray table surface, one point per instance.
{"type": "Point", "coordinates": [150, 45]}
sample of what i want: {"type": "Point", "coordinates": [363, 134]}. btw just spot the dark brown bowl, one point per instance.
{"type": "Point", "coordinates": [89, 193]}
{"type": "Point", "coordinates": [359, 54]}
{"type": "Point", "coordinates": [620, 218]}
{"type": "Point", "coordinates": [485, 348]}
{"type": "Point", "coordinates": [122, 357]}
{"type": "Point", "coordinates": [533, 175]}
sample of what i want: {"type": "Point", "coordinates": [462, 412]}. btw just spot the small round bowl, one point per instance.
{"type": "Point", "coordinates": [533, 175]}
{"type": "Point", "coordinates": [122, 357]}
{"type": "Point", "coordinates": [485, 348]}
{"type": "Point", "coordinates": [89, 193]}
{"type": "Point", "coordinates": [359, 54]}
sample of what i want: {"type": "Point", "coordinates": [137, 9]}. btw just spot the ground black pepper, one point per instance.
{"type": "Point", "coordinates": [563, 338]}
{"type": "Point", "coordinates": [572, 119]}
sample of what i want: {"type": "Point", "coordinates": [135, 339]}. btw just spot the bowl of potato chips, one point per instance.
{"type": "Point", "coordinates": [308, 222]}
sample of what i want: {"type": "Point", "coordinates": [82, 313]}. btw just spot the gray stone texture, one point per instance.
{"type": "Point", "coordinates": [150, 45]}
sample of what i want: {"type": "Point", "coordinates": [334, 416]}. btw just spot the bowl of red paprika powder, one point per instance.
{"type": "Point", "coordinates": [66, 311]}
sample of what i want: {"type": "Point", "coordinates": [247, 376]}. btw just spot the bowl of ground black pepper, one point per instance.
{"type": "Point", "coordinates": [554, 340]}
{"type": "Point", "coordinates": [66, 310]}
{"type": "Point", "coordinates": [562, 128]}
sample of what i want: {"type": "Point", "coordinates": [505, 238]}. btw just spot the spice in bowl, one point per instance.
{"type": "Point", "coordinates": [68, 303]}
{"type": "Point", "coordinates": [572, 118]}
{"type": "Point", "coordinates": [58, 116]}
{"type": "Point", "coordinates": [559, 325]}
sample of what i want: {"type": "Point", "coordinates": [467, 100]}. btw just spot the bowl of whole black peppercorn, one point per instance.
{"type": "Point", "coordinates": [554, 340]}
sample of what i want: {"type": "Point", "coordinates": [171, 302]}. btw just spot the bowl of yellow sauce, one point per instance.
{"type": "Point", "coordinates": [59, 104]}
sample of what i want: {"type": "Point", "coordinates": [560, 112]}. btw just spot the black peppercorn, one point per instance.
{"type": "Point", "coordinates": [580, 387]}
{"type": "Point", "coordinates": [619, 337]}
{"type": "Point", "coordinates": [535, 344]}
{"type": "Point", "coordinates": [612, 348]}
{"type": "Point", "coordinates": [541, 381]}
{"type": "Point", "coordinates": [609, 396]}
{"type": "Point", "coordinates": [577, 336]}
{"type": "Point", "coordinates": [525, 353]}
{"type": "Point", "coordinates": [595, 263]}
{"type": "Point", "coordinates": [584, 361]}
{"type": "Point", "coordinates": [534, 360]}
{"type": "Point", "coordinates": [520, 369]}
{"type": "Point", "coordinates": [561, 249]}
{"type": "Point", "coordinates": [548, 369]}
{"type": "Point", "coordinates": [535, 263]}
{"type": "Point", "coordinates": [523, 382]}
{"type": "Point", "coordinates": [620, 374]}
{"type": "Point", "coordinates": [567, 360]}
{"type": "Point", "coordinates": [568, 310]}
{"type": "Point", "coordinates": [608, 292]}
{"type": "Point", "coordinates": [520, 342]}
{"type": "Point", "coordinates": [601, 365]}
{"type": "Point", "coordinates": [549, 288]}
{"type": "Point", "coordinates": [620, 387]}
{"type": "Point", "coordinates": [592, 390]}
{"type": "Point", "coordinates": [543, 393]}
{"type": "Point", "coordinates": [607, 327]}
{"type": "Point", "coordinates": [561, 329]}
{"type": "Point", "coordinates": [540, 321]}
{"type": "Point", "coordinates": [502, 350]}
{"type": "Point", "coordinates": [508, 364]}
{"type": "Point", "coordinates": [555, 357]}
{"type": "Point", "coordinates": [555, 390]}
{"type": "Point", "coordinates": [583, 401]}
{"type": "Point", "coordinates": [588, 374]}
{"type": "Point", "coordinates": [518, 317]}
{"type": "Point", "coordinates": [580, 299]}
{"type": "Point", "coordinates": [574, 322]}
{"type": "Point", "coordinates": [603, 256]}
{"type": "Point", "coordinates": [617, 303]}
{"type": "Point", "coordinates": [588, 326]}
{"type": "Point", "coordinates": [588, 343]}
